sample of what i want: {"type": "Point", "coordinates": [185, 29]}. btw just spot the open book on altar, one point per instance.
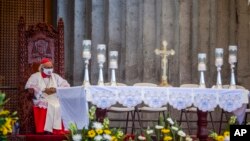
{"type": "Point", "coordinates": [74, 106]}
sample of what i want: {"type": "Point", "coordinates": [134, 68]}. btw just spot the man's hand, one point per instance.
{"type": "Point", "coordinates": [50, 90]}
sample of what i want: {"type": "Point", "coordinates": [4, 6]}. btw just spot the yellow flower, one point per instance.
{"type": "Point", "coordinates": [8, 123]}
{"type": "Point", "coordinates": [7, 126]}
{"type": "Point", "coordinates": [91, 133]}
{"type": "Point", "coordinates": [107, 131]}
{"type": "Point", "coordinates": [167, 138]}
{"type": "Point", "coordinates": [5, 131]}
{"type": "Point", "coordinates": [99, 131]}
{"type": "Point", "coordinates": [226, 133]}
{"type": "Point", "coordinates": [113, 138]}
{"type": "Point", "coordinates": [165, 131]}
{"type": "Point", "coordinates": [220, 138]}
{"type": "Point", "coordinates": [4, 112]}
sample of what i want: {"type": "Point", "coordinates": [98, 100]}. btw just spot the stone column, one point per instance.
{"type": "Point", "coordinates": [64, 10]}
{"type": "Point", "coordinates": [78, 63]}
{"type": "Point", "coordinates": [72, 13]}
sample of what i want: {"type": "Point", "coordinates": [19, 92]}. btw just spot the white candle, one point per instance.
{"type": "Point", "coordinates": [219, 61]}
{"type": "Point", "coordinates": [201, 62]}
{"type": "Point", "coordinates": [86, 49]}
{"type": "Point", "coordinates": [100, 58]}
{"type": "Point", "coordinates": [232, 47]}
{"type": "Point", "coordinates": [232, 54]}
{"type": "Point", "coordinates": [113, 56]}
{"type": "Point", "coordinates": [232, 59]}
{"type": "Point", "coordinates": [86, 55]}
{"type": "Point", "coordinates": [86, 42]}
{"type": "Point", "coordinates": [219, 51]}
{"type": "Point", "coordinates": [113, 64]}
{"type": "Point", "coordinates": [101, 47]}
{"type": "Point", "coordinates": [202, 66]}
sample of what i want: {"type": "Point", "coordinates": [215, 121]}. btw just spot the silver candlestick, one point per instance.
{"type": "Point", "coordinates": [86, 56]}
{"type": "Point", "coordinates": [202, 80]}
{"type": "Point", "coordinates": [232, 80]}
{"type": "Point", "coordinates": [218, 64]}
{"type": "Point", "coordinates": [113, 57]}
{"type": "Point", "coordinates": [113, 78]}
{"type": "Point", "coordinates": [100, 79]}
{"type": "Point", "coordinates": [101, 50]}
{"type": "Point", "coordinates": [86, 74]}
{"type": "Point", "coordinates": [218, 80]}
{"type": "Point", "coordinates": [232, 60]}
{"type": "Point", "coordinates": [202, 68]}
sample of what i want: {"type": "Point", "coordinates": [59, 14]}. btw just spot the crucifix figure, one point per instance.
{"type": "Point", "coordinates": [164, 53]}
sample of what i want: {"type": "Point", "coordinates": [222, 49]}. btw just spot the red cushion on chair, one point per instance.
{"type": "Point", "coordinates": [40, 118]}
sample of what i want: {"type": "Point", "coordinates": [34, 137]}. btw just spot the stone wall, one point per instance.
{"type": "Point", "coordinates": [136, 28]}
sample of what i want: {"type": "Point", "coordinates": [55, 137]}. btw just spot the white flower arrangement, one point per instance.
{"type": "Point", "coordinates": [98, 138]}
{"type": "Point", "coordinates": [107, 137]}
{"type": "Point", "coordinates": [97, 125]}
{"type": "Point", "coordinates": [158, 127]}
{"type": "Point", "coordinates": [181, 133]}
{"type": "Point", "coordinates": [77, 137]}
{"type": "Point", "coordinates": [174, 128]}
{"type": "Point", "coordinates": [149, 131]}
{"type": "Point", "coordinates": [96, 131]}
{"type": "Point", "coordinates": [141, 138]}
{"type": "Point", "coordinates": [165, 131]}
{"type": "Point", "coordinates": [189, 138]}
{"type": "Point", "coordinates": [170, 121]}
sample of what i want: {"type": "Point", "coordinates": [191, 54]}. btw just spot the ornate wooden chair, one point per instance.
{"type": "Point", "coordinates": [38, 41]}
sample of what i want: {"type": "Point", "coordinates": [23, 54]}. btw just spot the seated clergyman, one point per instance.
{"type": "Point", "coordinates": [47, 111]}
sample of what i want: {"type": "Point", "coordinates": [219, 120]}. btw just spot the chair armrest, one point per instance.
{"type": "Point", "coordinates": [31, 91]}
{"type": "Point", "coordinates": [28, 93]}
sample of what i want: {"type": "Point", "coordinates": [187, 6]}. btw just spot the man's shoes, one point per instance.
{"type": "Point", "coordinates": [47, 133]}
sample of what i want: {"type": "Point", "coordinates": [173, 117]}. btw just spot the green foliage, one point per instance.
{"type": "Point", "coordinates": [95, 130]}
{"type": "Point", "coordinates": [226, 133]}
{"type": "Point", "coordinates": [167, 130]}
{"type": "Point", "coordinates": [7, 119]}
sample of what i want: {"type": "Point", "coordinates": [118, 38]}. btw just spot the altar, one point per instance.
{"type": "Point", "coordinates": [205, 99]}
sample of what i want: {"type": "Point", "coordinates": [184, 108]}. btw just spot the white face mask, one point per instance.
{"type": "Point", "coordinates": [48, 71]}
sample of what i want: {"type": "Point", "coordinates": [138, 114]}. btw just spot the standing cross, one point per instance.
{"type": "Point", "coordinates": [164, 53]}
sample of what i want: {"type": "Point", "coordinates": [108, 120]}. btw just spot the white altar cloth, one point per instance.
{"type": "Point", "coordinates": [74, 105]}
{"type": "Point", "coordinates": [206, 99]}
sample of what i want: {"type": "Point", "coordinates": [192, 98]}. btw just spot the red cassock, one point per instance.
{"type": "Point", "coordinates": [40, 118]}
